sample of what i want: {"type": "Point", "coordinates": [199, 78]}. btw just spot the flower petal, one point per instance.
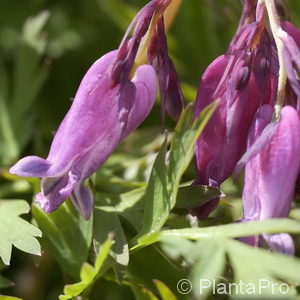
{"type": "Point", "coordinates": [83, 200]}
{"type": "Point", "coordinates": [145, 82]}
{"type": "Point", "coordinates": [282, 242]}
{"type": "Point", "coordinates": [31, 166]}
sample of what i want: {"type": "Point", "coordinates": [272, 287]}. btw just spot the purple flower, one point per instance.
{"type": "Point", "coordinates": [243, 80]}
{"type": "Point", "coordinates": [99, 118]}
{"type": "Point", "coordinates": [270, 176]}
{"type": "Point", "coordinates": [114, 97]}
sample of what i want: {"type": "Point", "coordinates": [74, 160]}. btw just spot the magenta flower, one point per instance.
{"type": "Point", "coordinates": [109, 104]}
{"type": "Point", "coordinates": [114, 97]}
{"type": "Point", "coordinates": [243, 80]}
{"type": "Point", "coordinates": [99, 118]}
{"type": "Point", "coordinates": [270, 176]}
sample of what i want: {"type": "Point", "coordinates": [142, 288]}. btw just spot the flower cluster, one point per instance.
{"type": "Point", "coordinates": [257, 123]}
{"type": "Point", "coordinates": [255, 126]}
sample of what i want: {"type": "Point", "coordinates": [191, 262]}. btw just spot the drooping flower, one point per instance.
{"type": "Point", "coordinates": [243, 79]}
{"type": "Point", "coordinates": [99, 118]}
{"type": "Point", "coordinates": [270, 176]}
{"type": "Point", "coordinates": [114, 97]}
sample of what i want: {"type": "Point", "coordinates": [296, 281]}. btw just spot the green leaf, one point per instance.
{"type": "Point", "coordinates": [196, 195]}
{"type": "Point", "coordinates": [160, 196]}
{"type": "Point", "coordinates": [2, 297]}
{"type": "Point", "coordinates": [106, 223]}
{"type": "Point", "coordinates": [142, 293]}
{"type": "Point", "coordinates": [103, 253]}
{"type": "Point", "coordinates": [210, 265]}
{"type": "Point", "coordinates": [164, 291]}
{"type": "Point", "coordinates": [255, 268]}
{"type": "Point", "coordinates": [206, 261]}
{"type": "Point", "coordinates": [156, 211]}
{"type": "Point", "coordinates": [129, 205]}
{"type": "Point", "coordinates": [88, 273]}
{"type": "Point", "coordinates": [67, 234]}
{"type": "Point", "coordinates": [151, 263]}
{"type": "Point", "coordinates": [15, 231]}
{"type": "Point", "coordinates": [234, 230]}
{"type": "Point", "coordinates": [274, 262]}
{"type": "Point", "coordinates": [73, 290]}
{"type": "Point", "coordinates": [176, 246]}
{"type": "Point", "coordinates": [147, 240]}
{"type": "Point", "coordinates": [237, 229]}
{"type": "Point", "coordinates": [261, 267]}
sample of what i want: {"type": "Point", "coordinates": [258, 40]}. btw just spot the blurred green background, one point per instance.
{"type": "Point", "coordinates": [45, 49]}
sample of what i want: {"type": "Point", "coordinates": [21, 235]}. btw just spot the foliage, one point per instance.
{"type": "Point", "coordinates": [88, 273]}
{"type": "Point", "coordinates": [15, 231]}
{"type": "Point", "coordinates": [68, 235]}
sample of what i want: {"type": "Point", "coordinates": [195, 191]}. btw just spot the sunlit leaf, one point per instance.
{"type": "Point", "coordinates": [106, 223]}
{"type": "Point", "coordinates": [238, 229]}
{"type": "Point", "coordinates": [141, 293]}
{"type": "Point", "coordinates": [88, 273]}
{"type": "Point", "coordinates": [210, 265]}
{"type": "Point", "coordinates": [262, 268]}
{"type": "Point", "coordinates": [2, 297]}
{"type": "Point", "coordinates": [14, 231]}
{"type": "Point", "coordinates": [254, 268]}
{"type": "Point", "coordinates": [164, 291]}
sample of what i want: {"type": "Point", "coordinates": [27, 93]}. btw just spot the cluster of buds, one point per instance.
{"type": "Point", "coordinates": [257, 123]}
{"type": "Point", "coordinates": [114, 97]}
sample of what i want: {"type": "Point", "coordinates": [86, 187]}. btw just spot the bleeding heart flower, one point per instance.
{"type": "Point", "coordinates": [243, 79]}
{"type": "Point", "coordinates": [271, 174]}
